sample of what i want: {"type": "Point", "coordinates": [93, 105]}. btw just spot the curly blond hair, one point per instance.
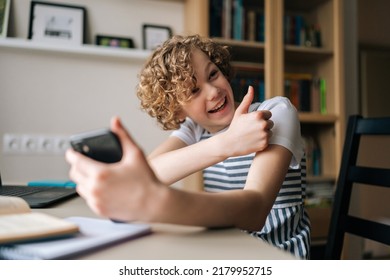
{"type": "Point", "coordinates": [167, 79]}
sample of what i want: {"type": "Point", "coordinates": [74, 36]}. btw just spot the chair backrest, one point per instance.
{"type": "Point", "coordinates": [351, 174]}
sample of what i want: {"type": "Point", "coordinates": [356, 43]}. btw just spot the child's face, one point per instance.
{"type": "Point", "coordinates": [212, 105]}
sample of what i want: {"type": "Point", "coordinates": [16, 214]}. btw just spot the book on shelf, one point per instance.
{"type": "Point", "coordinates": [238, 20]}
{"type": "Point", "coordinates": [313, 156]}
{"type": "Point", "coordinates": [254, 29]}
{"type": "Point", "coordinates": [322, 89]}
{"type": "Point", "coordinates": [18, 223]}
{"type": "Point", "coordinates": [319, 193]}
{"type": "Point", "coordinates": [251, 25]}
{"type": "Point", "coordinates": [306, 93]}
{"type": "Point", "coordinates": [227, 19]}
{"type": "Point", "coordinates": [216, 18]}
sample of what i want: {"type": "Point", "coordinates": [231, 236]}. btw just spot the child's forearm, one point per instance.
{"type": "Point", "coordinates": [242, 209]}
{"type": "Point", "coordinates": [175, 165]}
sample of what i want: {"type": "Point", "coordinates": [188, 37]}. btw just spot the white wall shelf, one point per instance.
{"type": "Point", "coordinates": [83, 50]}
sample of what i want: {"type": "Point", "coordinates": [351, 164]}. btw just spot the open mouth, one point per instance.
{"type": "Point", "coordinates": [219, 106]}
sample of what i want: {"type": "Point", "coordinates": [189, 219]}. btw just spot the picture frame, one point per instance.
{"type": "Point", "coordinates": [155, 35]}
{"type": "Point", "coordinates": [57, 23]}
{"type": "Point", "coordinates": [114, 41]}
{"type": "Point", "coordinates": [4, 17]}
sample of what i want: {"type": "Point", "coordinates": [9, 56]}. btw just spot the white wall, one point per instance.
{"type": "Point", "coordinates": [60, 94]}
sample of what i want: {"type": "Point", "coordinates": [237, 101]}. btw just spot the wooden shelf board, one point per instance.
{"type": "Point", "coordinates": [86, 50]}
{"type": "Point", "coordinates": [300, 53]}
{"type": "Point", "coordinates": [317, 118]}
{"type": "Point", "coordinates": [240, 43]}
{"type": "Point", "coordinates": [248, 66]}
{"type": "Point", "coordinates": [320, 178]}
{"type": "Point", "coordinates": [244, 50]}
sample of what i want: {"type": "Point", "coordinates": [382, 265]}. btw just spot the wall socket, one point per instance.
{"type": "Point", "coordinates": [30, 144]}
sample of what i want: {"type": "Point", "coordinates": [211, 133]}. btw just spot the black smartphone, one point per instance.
{"type": "Point", "coordinates": [101, 145]}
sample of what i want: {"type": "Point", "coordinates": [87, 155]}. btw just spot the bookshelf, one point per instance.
{"type": "Point", "coordinates": [276, 58]}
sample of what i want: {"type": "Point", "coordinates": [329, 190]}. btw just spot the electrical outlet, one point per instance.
{"type": "Point", "coordinates": [11, 144]}
{"type": "Point", "coordinates": [45, 144]}
{"type": "Point", "coordinates": [61, 144]}
{"type": "Point", "coordinates": [28, 144]}
{"type": "Point", "coordinates": [31, 144]}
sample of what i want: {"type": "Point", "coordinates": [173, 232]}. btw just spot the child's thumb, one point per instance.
{"type": "Point", "coordinates": [127, 142]}
{"type": "Point", "coordinates": [246, 102]}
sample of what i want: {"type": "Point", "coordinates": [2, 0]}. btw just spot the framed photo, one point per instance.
{"type": "Point", "coordinates": [115, 42]}
{"type": "Point", "coordinates": [4, 15]}
{"type": "Point", "coordinates": [57, 23]}
{"type": "Point", "coordinates": [155, 35]}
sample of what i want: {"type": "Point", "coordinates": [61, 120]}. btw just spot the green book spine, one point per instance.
{"type": "Point", "coordinates": [323, 97]}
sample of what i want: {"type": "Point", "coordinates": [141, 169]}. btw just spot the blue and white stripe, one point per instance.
{"type": "Point", "coordinates": [287, 225]}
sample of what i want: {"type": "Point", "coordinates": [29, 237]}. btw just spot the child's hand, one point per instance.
{"type": "Point", "coordinates": [248, 132]}
{"type": "Point", "coordinates": [119, 190]}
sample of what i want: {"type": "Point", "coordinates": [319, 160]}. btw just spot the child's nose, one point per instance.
{"type": "Point", "coordinates": [212, 92]}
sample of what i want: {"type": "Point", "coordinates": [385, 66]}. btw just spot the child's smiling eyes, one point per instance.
{"type": "Point", "coordinates": [213, 73]}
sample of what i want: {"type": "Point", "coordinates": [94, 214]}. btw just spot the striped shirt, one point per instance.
{"type": "Point", "coordinates": [287, 225]}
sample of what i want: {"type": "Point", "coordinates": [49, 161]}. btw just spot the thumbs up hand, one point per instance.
{"type": "Point", "coordinates": [249, 131]}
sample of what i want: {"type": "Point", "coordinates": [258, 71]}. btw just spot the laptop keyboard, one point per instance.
{"type": "Point", "coordinates": [19, 190]}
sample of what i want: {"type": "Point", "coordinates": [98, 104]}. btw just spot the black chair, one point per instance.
{"type": "Point", "coordinates": [351, 174]}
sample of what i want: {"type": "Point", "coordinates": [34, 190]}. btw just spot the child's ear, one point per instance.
{"type": "Point", "coordinates": [181, 116]}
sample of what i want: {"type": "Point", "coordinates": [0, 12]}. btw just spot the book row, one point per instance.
{"type": "Point", "coordinates": [313, 156]}
{"type": "Point", "coordinates": [306, 93]}
{"type": "Point", "coordinates": [297, 31]}
{"type": "Point", "coordinates": [234, 19]}
{"type": "Point", "coordinates": [240, 85]}
{"type": "Point", "coordinates": [239, 20]}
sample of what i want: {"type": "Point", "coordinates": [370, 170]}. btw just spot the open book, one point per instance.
{"type": "Point", "coordinates": [94, 233]}
{"type": "Point", "coordinates": [18, 223]}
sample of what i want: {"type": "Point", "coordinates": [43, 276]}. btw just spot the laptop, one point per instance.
{"type": "Point", "coordinates": [38, 196]}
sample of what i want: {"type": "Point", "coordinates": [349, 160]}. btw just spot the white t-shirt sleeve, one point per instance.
{"type": "Point", "coordinates": [189, 132]}
{"type": "Point", "coordinates": [287, 130]}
